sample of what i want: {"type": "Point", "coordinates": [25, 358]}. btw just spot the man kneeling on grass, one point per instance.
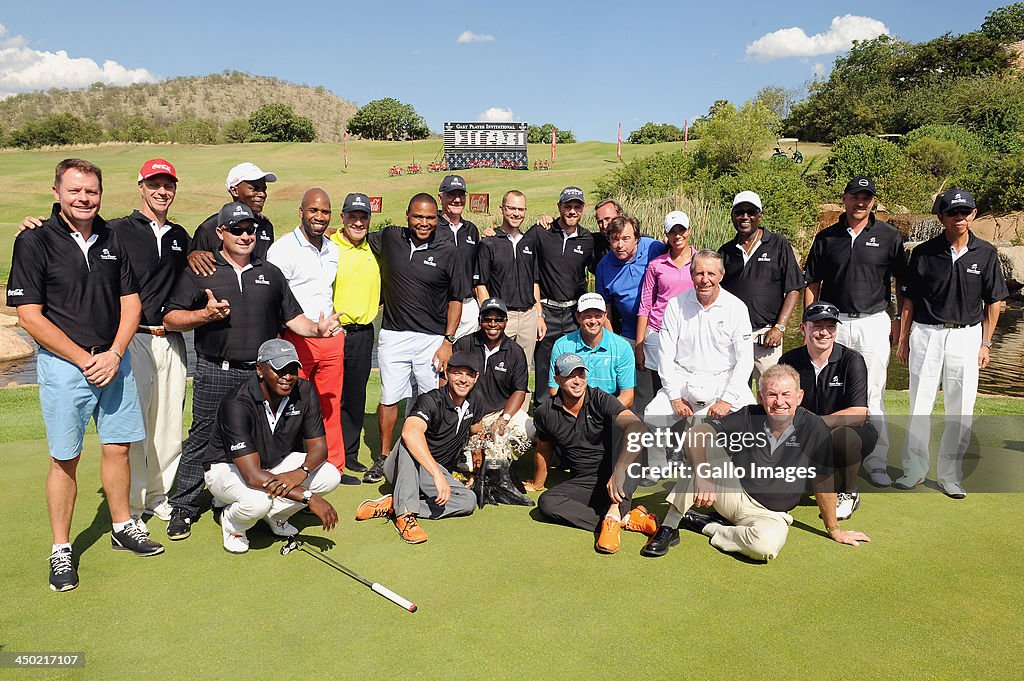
{"type": "Point", "coordinates": [760, 461]}
{"type": "Point", "coordinates": [420, 464]}
{"type": "Point", "coordinates": [577, 421]}
{"type": "Point", "coordinates": [254, 464]}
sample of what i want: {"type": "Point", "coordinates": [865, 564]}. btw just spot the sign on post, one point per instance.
{"type": "Point", "coordinates": [376, 203]}
{"type": "Point", "coordinates": [485, 145]}
{"type": "Point", "coordinates": [480, 203]}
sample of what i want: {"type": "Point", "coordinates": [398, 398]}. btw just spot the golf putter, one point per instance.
{"type": "Point", "coordinates": [293, 543]}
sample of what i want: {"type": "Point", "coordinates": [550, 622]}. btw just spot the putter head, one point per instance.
{"type": "Point", "coordinates": [289, 546]}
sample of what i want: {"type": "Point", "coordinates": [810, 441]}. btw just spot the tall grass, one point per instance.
{"type": "Point", "coordinates": [710, 226]}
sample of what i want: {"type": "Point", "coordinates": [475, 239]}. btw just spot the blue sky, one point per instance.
{"type": "Point", "coordinates": [580, 65]}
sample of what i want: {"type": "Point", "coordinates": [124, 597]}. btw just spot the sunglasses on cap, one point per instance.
{"type": "Point", "coordinates": [238, 230]}
{"type": "Point", "coordinates": [958, 211]}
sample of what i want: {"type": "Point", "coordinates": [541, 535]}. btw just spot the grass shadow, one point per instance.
{"type": "Point", "coordinates": [100, 525]}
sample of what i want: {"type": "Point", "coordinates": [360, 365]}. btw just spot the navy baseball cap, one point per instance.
{"type": "Point", "coordinates": [859, 184]}
{"type": "Point", "coordinates": [452, 183]}
{"type": "Point", "coordinates": [492, 305]}
{"type": "Point", "coordinates": [571, 194]}
{"type": "Point", "coordinates": [815, 312]}
{"type": "Point", "coordinates": [954, 198]}
{"type": "Point", "coordinates": [569, 362]}
{"type": "Point", "coordinates": [233, 213]}
{"type": "Point", "coordinates": [356, 202]}
{"type": "Point", "coordinates": [464, 359]}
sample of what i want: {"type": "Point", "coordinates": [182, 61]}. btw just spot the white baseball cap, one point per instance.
{"type": "Point", "coordinates": [747, 197]}
{"type": "Point", "coordinates": [676, 217]}
{"type": "Point", "coordinates": [247, 172]}
{"type": "Point", "coordinates": [591, 301]}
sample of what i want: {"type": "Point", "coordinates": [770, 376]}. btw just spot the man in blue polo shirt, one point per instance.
{"type": "Point", "coordinates": [621, 272]}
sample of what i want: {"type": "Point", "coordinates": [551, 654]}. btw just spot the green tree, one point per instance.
{"type": "Point", "coordinates": [133, 129]}
{"type": "Point", "coordinates": [1006, 24]}
{"type": "Point", "coordinates": [56, 130]}
{"type": "Point", "coordinates": [779, 99]}
{"type": "Point", "coordinates": [652, 133]}
{"type": "Point", "coordinates": [278, 123]}
{"type": "Point", "coordinates": [388, 119]}
{"type": "Point", "coordinates": [654, 175]}
{"type": "Point", "coordinates": [730, 137]}
{"type": "Point", "coordinates": [541, 134]}
{"type": "Point", "coordinates": [898, 181]}
{"type": "Point", "coordinates": [237, 131]}
{"type": "Point", "coordinates": [193, 130]}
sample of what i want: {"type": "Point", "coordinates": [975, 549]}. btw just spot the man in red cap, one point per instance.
{"type": "Point", "coordinates": [157, 251]}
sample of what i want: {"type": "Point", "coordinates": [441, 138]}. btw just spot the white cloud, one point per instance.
{"type": "Point", "coordinates": [470, 37]}
{"type": "Point", "coordinates": [794, 42]}
{"type": "Point", "coordinates": [496, 115]}
{"type": "Point", "coordinates": [818, 70]}
{"type": "Point", "coordinates": [23, 69]}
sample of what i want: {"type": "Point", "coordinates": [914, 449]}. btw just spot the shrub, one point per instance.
{"type": "Point", "coordinates": [898, 182]}
{"type": "Point", "coordinates": [541, 134]}
{"type": "Point", "coordinates": [942, 159]}
{"type": "Point", "coordinates": [730, 137]}
{"type": "Point", "coordinates": [1002, 184]}
{"type": "Point", "coordinates": [653, 175]}
{"type": "Point", "coordinates": [652, 133]}
{"type": "Point", "coordinates": [388, 119]}
{"type": "Point", "coordinates": [237, 131]}
{"type": "Point", "coordinates": [278, 123]}
{"type": "Point", "coordinates": [56, 130]}
{"type": "Point", "coordinates": [192, 130]}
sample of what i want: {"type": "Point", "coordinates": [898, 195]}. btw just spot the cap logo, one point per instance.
{"type": "Point", "coordinates": [161, 166]}
{"type": "Point", "coordinates": [958, 199]}
{"type": "Point", "coordinates": [862, 182]}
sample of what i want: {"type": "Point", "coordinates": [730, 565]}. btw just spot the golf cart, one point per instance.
{"type": "Point", "coordinates": [795, 149]}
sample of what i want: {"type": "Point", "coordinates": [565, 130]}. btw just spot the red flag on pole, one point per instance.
{"type": "Point", "coordinates": [345, 144]}
{"type": "Point", "coordinates": [618, 148]}
{"type": "Point", "coordinates": [686, 134]}
{"type": "Point", "coordinates": [554, 135]}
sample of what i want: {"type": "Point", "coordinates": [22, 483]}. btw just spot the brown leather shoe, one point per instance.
{"type": "Point", "coordinates": [409, 529]}
{"type": "Point", "coordinates": [609, 541]}
{"type": "Point", "coordinates": [639, 520]}
{"type": "Point", "coordinates": [384, 507]}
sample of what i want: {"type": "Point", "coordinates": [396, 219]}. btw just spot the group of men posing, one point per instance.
{"type": "Point", "coordinates": [284, 336]}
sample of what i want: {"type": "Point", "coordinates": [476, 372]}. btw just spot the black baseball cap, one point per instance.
{"type": "Point", "coordinates": [452, 183]}
{"type": "Point", "coordinates": [356, 202]}
{"type": "Point", "coordinates": [815, 312]}
{"type": "Point", "coordinates": [954, 198]}
{"type": "Point", "coordinates": [464, 359]}
{"type": "Point", "coordinates": [233, 213]}
{"type": "Point", "coordinates": [571, 194]}
{"type": "Point", "coordinates": [494, 304]}
{"type": "Point", "coordinates": [860, 183]}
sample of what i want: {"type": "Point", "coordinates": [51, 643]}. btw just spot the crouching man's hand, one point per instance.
{"type": "Point", "coordinates": [323, 510]}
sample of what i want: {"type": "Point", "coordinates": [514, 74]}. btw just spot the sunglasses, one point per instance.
{"type": "Point", "coordinates": [823, 309]}
{"type": "Point", "coordinates": [493, 320]}
{"type": "Point", "coordinates": [745, 211]}
{"type": "Point", "coordinates": [958, 211]}
{"type": "Point", "coordinates": [236, 230]}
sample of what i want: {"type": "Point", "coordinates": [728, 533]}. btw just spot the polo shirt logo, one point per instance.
{"type": "Point", "coordinates": [11, 292]}
{"type": "Point", "coordinates": [527, 251]}
{"type": "Point", "coordinates": [469, 240]}
{"type": "Point", "coordinates": [873, 242]}
{"type": "Point", "coordinates": [238, 445]}
{"type": "Point", "coordinates": [835, 382]}
{"type": "Point", "coordinates": [422, 415]}
{"type": "Point", "coordinates": [261, 280]}
{"type": "Point", "coordinates": [264, 236]}
{"type": "Point", "coordinates": [430, 261]}
{"type": "Point", "coordinates": [175, 246]}
{"type": "Point", "coordinates": [500, 367]}
{"type": "Point", "coordinates": [791, 442]}
{"type": "Point", "coordinates": [764, 258]}
{"type": "Point", "coordinates": [973, 269]}
{"type": "Point", "coordinates": [293, 411]}
{"type": "Point", "coordinates": [105, 254]}
{"type": "Point", "coordinates": [578, 249]}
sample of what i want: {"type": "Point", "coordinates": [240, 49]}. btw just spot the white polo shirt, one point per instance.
{"type": "Point", "coordinates": [310, 272]}
{"type": "Point", "coordinates": [707, 341]}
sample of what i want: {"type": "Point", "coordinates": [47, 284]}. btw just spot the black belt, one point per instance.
{"type": "Point", "coordinates": [225, 364]}
{"type": "Point", "coordinates": [95, 349]}
{"type": "Point", "coordinates": [349, 328]}
{"type": "Point", "coordinates": [564, 304]}
{"type": "Point", "coordinates": [948, 325]}
{"type": "Point", "coordinates": [520, 309]}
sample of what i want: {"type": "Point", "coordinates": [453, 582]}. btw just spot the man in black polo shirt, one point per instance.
{"type": "Point", "coordinates": [247, 184]}
{"type": "Point", "coordinates": [761, 269]}
{"type": "Point", "coordinates": [466, 237]}
{"type": "Point", "coordinates": [564, 253]}
{"type": "Point", "coordinates": [266, 456]}
{"type": "Point", "coordinates": [950, 310]}
{"type": "Point", "coordinates": [507, 265]}
{"type": "Point", "coordinates": [577, 422]}
{"type": "Point", "coordinates": [834, 380]}
{"type": "Point", "coordinates": [423, 288]}
{"type": "Point", "coordinates": [852, 264]}
{"type": "Point", "coordinates": [419, 467]}
{"type": "Point", "coordinates": [762, 460]}
{"type": "Point", "coordinates": [77, 297]}
{"type": "Point", "coordinates": [244, 303]}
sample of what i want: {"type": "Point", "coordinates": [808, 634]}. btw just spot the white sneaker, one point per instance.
{"type": "Point", "coordinates": [282, 528]}
{"type": "Point", "coordinates": [846, 504]}
{"type": "Point", "coordinates": [161, 510]}
{"type": "Point", "coordinates": [140, 522]}
{"type": "Point", "coordinates": [879, 477]}
{"type": "Point", "coordinates": [235, 543]}
{"type": "Point", "coordinates": [953, 490]}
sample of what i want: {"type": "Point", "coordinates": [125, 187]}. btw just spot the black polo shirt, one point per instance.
{"type": "Point", "coordinates": [584, 441]}
{"type": "Point", "coordinates": [601, 246]}
{"type": "Point", "coordinates": [505, 371]}
{"type": "Point", "coordinates": [809, 445]}
{"type": "Point", "coordinates": [947, 292]}
{"type": "Point", "coordinates": [465, 247]}
{"type": "Point", "coordinates": [417, 285]}
{"type": "Point", "coordinates": [243, 427]}
{"type": "Point", "coordinates": [156, 270]}
{"type": "Point", "coordinates": [205, 237]}
{"type": "Point", "coordinates": [841, 384]}
{"type": "Point", "coordinates": [562, 263]}
{"type": "Point", "coordinates": [857, 279]}
{"type": "Point", "coordinates": [509, 272]}
{"type": "Point", "coordinates": [446, 434]}
{"type": "Point", "coordinates": [258, 310]}
{"type": "Point", "coordinates": [80, 295]}
{"type": "Point", "coordinates": [763, 282]}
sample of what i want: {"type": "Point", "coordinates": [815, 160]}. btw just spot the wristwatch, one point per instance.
{"type": "Point", "coordinates": [450, 338]}
{"type": "Point", "coordinates": [306, 496]}
{"type": "Point", "coordinates": [781, 327]}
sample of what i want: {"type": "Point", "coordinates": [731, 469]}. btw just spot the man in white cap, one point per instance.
{"type": "Point", "coordinates": [761, 269]}
{"type": "Point", "coordinates": [247, 184]}
{"type": "Point", "coordinates": [266, 458]}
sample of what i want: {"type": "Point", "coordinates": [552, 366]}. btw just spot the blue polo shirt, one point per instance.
{"type": "Point", "coordinates": [619, 281]}
{"type": "Point", "coordinates": [611, 366]}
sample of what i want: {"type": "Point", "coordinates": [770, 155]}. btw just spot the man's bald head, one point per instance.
{"type": "Point", "coordinates": [315, 213]}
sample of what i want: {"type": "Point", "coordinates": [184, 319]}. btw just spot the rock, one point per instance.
{"type": "Point", "coordinates": [12, 347]}
{"type": "Point", "coordinates": [1012, 260]}
{"type": "Point", "coordinates": [8, 321]}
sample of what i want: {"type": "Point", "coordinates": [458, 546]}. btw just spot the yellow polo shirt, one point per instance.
{"type": "Point", "coordinates": [357, 284]}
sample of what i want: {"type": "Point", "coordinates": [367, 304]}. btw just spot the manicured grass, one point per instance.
{"type": "Point", "coordinates": [503, 595]}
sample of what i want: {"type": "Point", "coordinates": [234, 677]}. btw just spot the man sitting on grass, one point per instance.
{"type": "Point", "coordinates": [419, 465]}
{"type": "Point", "coordinates": [255, 466]}
{"type": "Point", "coordinates": [577, 422]}
{"type": "Point", "coordinates": [774, 451]}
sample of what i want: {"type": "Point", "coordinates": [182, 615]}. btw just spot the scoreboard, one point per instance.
{"type": "Point", "coordinates": [485, 145]}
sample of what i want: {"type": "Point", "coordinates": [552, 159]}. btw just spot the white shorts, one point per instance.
{"type": "Point", "coordinates": [405, 361]}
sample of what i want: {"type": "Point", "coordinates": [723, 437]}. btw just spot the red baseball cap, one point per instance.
{"type": "Point", "coordinates": [156, 166]}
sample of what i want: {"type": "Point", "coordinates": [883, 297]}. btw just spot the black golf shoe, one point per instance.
{"type": "Point", "coordinates": [63, 576]}
{"type": "Point", "coordinates": [658, 545]}
{"type": "Point", "coordinates": [180, 525]}
{"type": "Point", "coordinates": [375, 473]}
{"type": "Point", "coordinates": [132, 538]}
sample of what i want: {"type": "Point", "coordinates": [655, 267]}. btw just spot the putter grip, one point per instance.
{"type": "Point", "coordinates": [393, 597]}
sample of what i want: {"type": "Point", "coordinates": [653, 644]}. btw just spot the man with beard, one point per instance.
{"type": "Point", "coordinates": [761, 270]}
{"type": "Point", "coordinates": [309, 262]}
{"type": "Point", "coordinates": [423, 286]}
{"type": "Point", "coordinates": [419, 468]}
{"type": "Point", "coordinates": [246, 184]}
{"type": "Point", "coordinates": [466, 237]}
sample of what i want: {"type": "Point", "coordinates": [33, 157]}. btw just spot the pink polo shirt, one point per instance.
{"type": "Point", "coordinates": [663, 281]}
